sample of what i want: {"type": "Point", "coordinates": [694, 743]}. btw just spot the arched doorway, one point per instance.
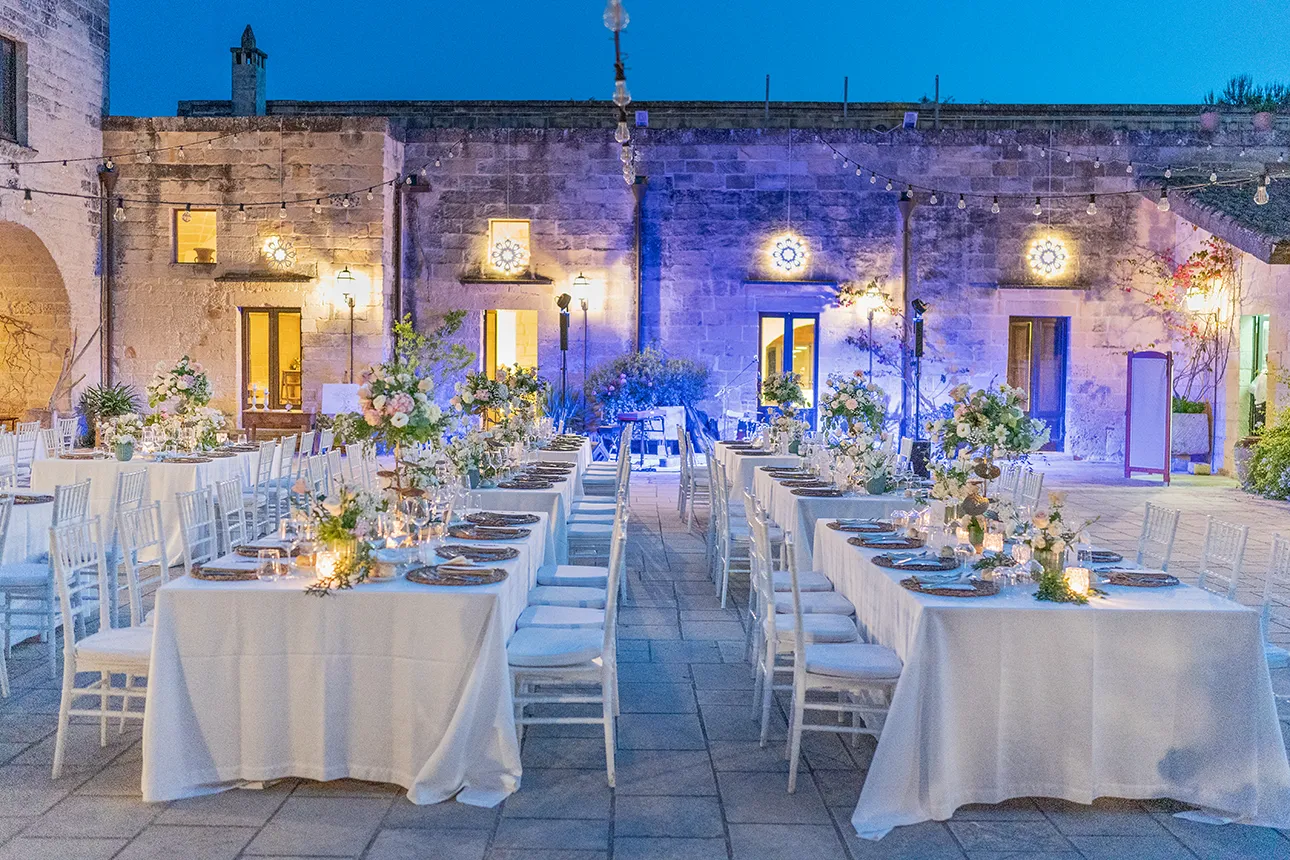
{"type": "Point", "coordinates": [35, 322]}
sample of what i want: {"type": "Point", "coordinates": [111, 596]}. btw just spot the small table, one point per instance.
{"type": "Point", "coordinates": [284, 420]}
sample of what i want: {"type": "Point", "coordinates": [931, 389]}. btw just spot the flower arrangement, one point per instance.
{"type": "Point", "coordinates": [783, 390]}
{"type": "Point", "coordinates": [342, 522]}
{"type": "Point", "coordinates": [644, 380]}
{"type": "Point", "coordinates": [196, 430]}
{"type": "Point", "coordinates": [1049, 536]}
{"type": "Point", "coordinates": [785, 433]}
{"type": "Point", "coordinates": [860, 460]}
{"type": "Point", "coordinates": [525, 385]}
{"type": "Point", "coordinates": [478, 395]}
{"type": "Point", "coordinates": [185, 384]}
{"type": "Point", "coordinates": [396, 396]}
{"type": "Point", "coordinates": [852, 403]}
{"type": "Point", "coordinates": [474, 453]}
{"type": "Point", "coordinates": [952, 480]}
{"type": "Point", "coordinates": [124, 429]}
{"type": "Point", "coordinates": [988, 424]}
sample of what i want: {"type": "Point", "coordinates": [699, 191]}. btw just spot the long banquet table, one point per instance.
{"type": "Point", "coordinates": [1148, 693]}
{"type": "Point", "coordinates": [580, 458]}
{"type": "Point", "coordinates": [799, 514]}
{"type": "Point", "coordinates": [555, 503]}
{"type": "Point", "coordinates": [740, 466]}
{"type": "Point", "coordinates": [390, 682]}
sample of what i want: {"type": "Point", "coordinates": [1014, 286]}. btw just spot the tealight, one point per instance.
{"type": "Point", "coordinates": [993, 542]}
{"type": "Point", "coordinates": [1077, 579]}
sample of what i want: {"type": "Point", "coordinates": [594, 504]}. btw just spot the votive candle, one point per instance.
{"type": "Point", "coordinates": [993, 542]}
{"type": "Point", "coordinates": [1077, 579]}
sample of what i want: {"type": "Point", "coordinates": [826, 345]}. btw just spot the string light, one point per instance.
{"type": "Point", "coordinates": [1092, 204]}
{"type": "Point", "coordinates": [859, 171]}
{"type": "Point", "coordinates": [28, 205]}
{"type": "Point", "coordinates": [370, 195]}
{"type": "Point", "coordinates": [1169, 172]}
{"type": "Point", "coordinates": [1213, 176]}
{"type": "Point", "coordinates": [1163, 203]}
{"type": "Point", "coordinates": [188, 213]}
{"type": "Point", "coordinates": [318, 206]}
{"type": "Point", "coordinates": [437, 163]}
{"type": "Point", "coordinates": [282, 210]}
{"type": "Point", "coordinates": [179, 153]}
{"type": "Point", "coordinates": [888, 186]}
{"type": "Point", "coordinates": [1097, 164]}
{"type": "Point", "coordinates": [1039, 207]}
{"type": "Point", "coordinates": [873, 177]}
{"type": "Point", "coordinates": [108, 164]}
{"type": "Point", "coordinates": [118, 215]}
{"type": "Point", "coordinates": [1128, 168]}
{"type": "Point", "coordinates": [962, 202]}
{"type": "Point", "coordinates": [1261, 195]}
{"type": "Point", "coordinates": [932, 199]}
{"type": "Point", "coordinates": [994, 207]}
{"type": "Point", "coordinates": [241, 211]}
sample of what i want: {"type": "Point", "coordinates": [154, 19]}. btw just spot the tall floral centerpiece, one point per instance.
{"type": "Point", "coordinates": [849, 404]}
{"type": "Point", "coordinates": [784, 390]}
{"type": "Point", "coordinates": [1050, 535]}
{"type": "Point", "coordinates": [860, 460]}
{"type": "Point", "coordinates": [179, 388]}
{"type": "Point", "coordinates": [528, 390]}
{"type": "Point", "coordinates": [120, 434]}
{"type": "Point", "coordinates": [397, 397]}
{"type": "Point", "coordinates": [475, 455]}
{"type": "Point", "coordinates": [480, 396]}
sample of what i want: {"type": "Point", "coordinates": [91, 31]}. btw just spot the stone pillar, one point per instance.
{"type": "Point", "coordinates": [248, 76]}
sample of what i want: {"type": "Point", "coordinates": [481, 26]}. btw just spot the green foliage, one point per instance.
{"type": "Point", "coordinates": [569, 413]}
{"type": "Point", "coordinates": [440, 358]}
{"type": "Point", "coordinates": [1183, 406]}
{"type": "Point", "coordinates": [1270, 462]}
{"type": "Point", "coordinates": [1242, 91]}
{"type": "Point", "coordinates": [784, 390]}
{"type": "Point", "coordinates": [349, 427]}
{"type": "Point", "coordinates": [99, 402]}
{"type": "Point", "coordinates": [644, 380]}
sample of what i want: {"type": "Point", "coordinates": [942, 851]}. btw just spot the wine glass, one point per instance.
{"type": "Point", "coordinates": [1023, 554]}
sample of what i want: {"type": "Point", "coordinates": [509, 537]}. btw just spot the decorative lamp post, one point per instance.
{"type": "Point", "coordinates": [581, 285]}
{"type": "Point", "coordinates": [872, 300]}
{"type": "Point", "coordinates": [345, 282]}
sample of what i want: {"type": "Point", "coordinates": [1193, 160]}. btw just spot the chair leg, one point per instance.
{"type": "Point", "coordinates": [51, 634]}
{"type": "Point", "coordinates": [795, 735]}
{"type": "Point", "coordinates": [607, 710]}
{"type": "Point", "coordinates": [106, 681]}
{"type": "Point", "coordinates": [767, 695]}
{"type": "Point", "coordinates": [4, 675]}
{"type": "Point", "coordinates": [64, 706]}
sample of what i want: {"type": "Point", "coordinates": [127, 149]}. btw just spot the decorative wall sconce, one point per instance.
{"type": "Point", "coordinates": [508, 245]}
{"type": "Point", "coordinates": [1048, 257]}
{"type": "Point", "coordinates": [278, 252]}
{"type": "Point", "coordinates": [788, 253]}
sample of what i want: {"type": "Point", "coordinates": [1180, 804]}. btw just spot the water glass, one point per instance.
{"type": "Point", "coordinates": [268, 563]}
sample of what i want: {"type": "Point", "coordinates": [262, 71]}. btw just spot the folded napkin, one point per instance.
{"type": "Point", "coordinates": [856, 521]}
{"type": "Point", "coordinates": [459, 562]}
{"type": "Point", "coordinates": [234, 563]}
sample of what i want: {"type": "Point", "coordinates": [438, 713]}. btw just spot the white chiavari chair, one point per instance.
{"type": "Point", "coordinates": [335, 470]}
{"type": "Point", "coordinates": [261, 500]}
{"type": "Point", "coordinates": [1275, 617]}
{"type": "Point", "coordinates": [129, 492]}
{"type": "Point", "coordinates": [316, 474]}
{"type": "Point", "coordinates": [306, 448]}
{"type": "Point", "coordinates": [354, 466]}
{"type": "Point", "coordinates": [325, 440]}
{"type": "Point", "coordinates": [52, 442]}
{"type": "Point", "coordinates": [1156, 542]}
{"type": "Point", "coordinates": [1030, 489]}
{"type": "Point", "coordinates": [284, 475]}
{"type": "Point", "coordinates": [27, 427]}
{"type": "Point", "coordinates": [561, 666]}
{"type": "Point", "coordinates": [198, 527]}
{"type": "Point", "coordinates": [67, 428]}
{"type": "Point", "coordinates": [231, 514]}
{"type": "Point", "coordinates": [1005, 487]}
{"type": "Point", "coordinates": [143, 555]}
{"type": "Point", "coordinates": [569, 576]}
{"type": "Point", "coordinates": [6, 516]}
{"type": "Point", "coordinates": [858, 678]}
{"type": "Point", "coordinates": [71, 502]}
{"type": "Point", "coordinates": [8, 462]}
{"type": "Point", "coordinates": [80, 573]}
{"type": "Point", "coordinates": [25, 451]}
{"type": "Point", "coordinates": [1222, 557]}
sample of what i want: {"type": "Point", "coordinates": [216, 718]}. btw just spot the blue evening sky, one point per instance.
{"type": "Point", "coordinates": [1127, 51]}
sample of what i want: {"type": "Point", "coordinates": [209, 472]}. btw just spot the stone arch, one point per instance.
{"type": "Point", "coordinates": [35, 321]}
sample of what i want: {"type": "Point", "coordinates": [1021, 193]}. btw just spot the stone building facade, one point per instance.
{"type": "Point", "coordinates": [681, 259]}
{"type": "Point", "coordinates": [49, 273]}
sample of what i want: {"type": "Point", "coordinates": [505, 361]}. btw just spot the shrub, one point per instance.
{"type": "Point", "coordinates": [99, 402]}
{"type": "Point", "coordinates": [644, 380]}
{"type": "Point", "coordinates": [1270, 462]}
{"type": "Point", "coordinates": [1183, 406]}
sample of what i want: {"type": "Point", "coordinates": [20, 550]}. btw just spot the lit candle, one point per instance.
{"type": "Point", "coordinates": [994, 542]}
{"type": "Point", "coordinates": [1077, 579]}
{"type": "Point", "coordinates": [961, 535]}
{"type": "Point", "coordinates": [325, 564]}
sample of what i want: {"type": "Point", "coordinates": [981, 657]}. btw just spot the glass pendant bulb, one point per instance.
{"type": "Point", "coordinates": [622, 134]}
{"type": "Point", "coordinates": [962, 202]}
{"type": "Point", "coordinates": [994, 207]}
{"type": "Point", "coordinates": [932, 199]}
{"type": "Point", "coordinates": [241, 211]}
{"type": "Point", "coordinates": [1092, 204]}
{"type": "Point", "coordinates": [1213, 176]}
{"type": "Point", "coordinates": [28, 205]}
{"type": "Point", "coordinates": [118, 215]}
{"type": "Point", "coordinates": [1039, 207]}
{"type": "Point", "coordinates": [318, 207]}
{"type": "Point", "coordinates": [622, 98]}
{"type": "Point", "coordinates": [187, 214]}
{"type": "Point", "coordinates": [282, 210]}
{"type": "Point", "coordinates": [888, 186]}
{"type": "Point", "coordinates": [1163, 203]}
{"type": "Point", "coordinates": [1261, 196]}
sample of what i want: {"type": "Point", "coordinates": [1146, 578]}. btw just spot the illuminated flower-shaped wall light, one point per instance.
{"type": "Point", "coordinates": [1048, 257]}
{"type": "Point", "coordinates": [279, 253]}
{"type": "Point", "coordinates": [788, 253]}
{"type": "Point", "coordinates": [508, 245]}
{"type": "Point", "coordinates": [509, 256]}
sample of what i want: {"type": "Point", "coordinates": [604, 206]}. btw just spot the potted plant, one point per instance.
{"type": "Point", "coordinates": [101, 402]}
{"type": "Point", "coordinates": [1190, 428]}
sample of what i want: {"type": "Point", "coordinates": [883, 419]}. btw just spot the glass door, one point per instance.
{"type": "Point", "coordinates": [1037, 357]}
{"type": "Point", "coordinates": [271, 357]}
{"type": "Point", "coordinates": [788, 344]}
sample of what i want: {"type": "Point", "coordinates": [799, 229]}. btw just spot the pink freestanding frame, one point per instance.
{"type": "Point", "coordinates": [1146, 414]}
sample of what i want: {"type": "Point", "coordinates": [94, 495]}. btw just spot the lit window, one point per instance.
{"type": "Point", "coordinates": [510, 338]}
{"type": "Point", "coordinates": [508, 246]}
{"type": "Point", "coordinates": [195, 235]}
{"type": "Point", "coordinates": [271, 356]}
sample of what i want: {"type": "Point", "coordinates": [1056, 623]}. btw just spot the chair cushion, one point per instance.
{"type": "Point", "coordinates": [564, 595]}
{"type": "Point", "coordinates": [580, 528]}
{"type": "Point", "coordinates": [584, 575]}
{"type": "Point", "coordinates": [121, 645]}
{"type": "Point", "coordinates": [829, 602]}
{"type": "Point", "coordinates": [552, 646]}
{"type": "Point", "coordinates": [25, 575]}
{"type": "Point", "coordinates": [854, 661]}
{"type": "Point", "coordinates": [811, 580]}
{"type": "Point", "coordinates": [566, 617]}
{"type": "Point", "coordinates": [818, 628]}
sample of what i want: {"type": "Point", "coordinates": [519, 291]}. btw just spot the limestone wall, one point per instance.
{"type": "Point", "coordinates": [49, 287]}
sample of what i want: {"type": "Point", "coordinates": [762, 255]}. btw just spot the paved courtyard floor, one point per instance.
{"type": "Point", "coordinates": [692, 782]}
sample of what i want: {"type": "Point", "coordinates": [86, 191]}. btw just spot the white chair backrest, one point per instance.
{"type": "Point", "coordinates": [142, 538]}
{"type": "Point", "coordinates": [906, 448]}
{"type": "Point", "coordinates": [335, 473]}
{"type": "Point", "coordinates": [1030, 489]}
{"type": "Point", "coordinates": [197, 526]}
{"type": "Point", "coordinates": [131, 490]}
{"type": "Point", "coordinates": [28, 427]}
{"type": "Point", "coordinates": [325, 439]}
{"type": "Point", "coordinates": [286, 454]}
{"type": "Point", "coordinates": [307, 444]}
{"type": "Point", "coordinates": [354, 467]}
{"type": "Point", "coordinates": [1008, 482]}
{"type": "Point", "coordinates": [316, 474]}
{"type": "Point", "coordinates": [53, 442]}
{"type": "Point", "coordinates": [1159, 528]}
{"type": "Point", "coordinates": [264, 465]}
{"type": "Point", "coordinates": [67, 430]}
{"type": "Point", "coordinates": [8, 461]}
{"type": "Point", "coordinates": [617, 570]}
{"type": "Point", "coordinates": [71, 502]}
{"type": "Point", "coordinates": [80, 575]}
{"type": "Point", "coordinates": [1276, 590]}
{"type": "Point", "coordinates": [6, 515]}
{"type": "Point", "coordinates": [234, 529]}
{"type": "Point", "coordinates": [1222, 557]}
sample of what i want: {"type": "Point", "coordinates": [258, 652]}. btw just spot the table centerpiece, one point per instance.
{"type": "Point", "coordinates": [849, 404]}
{"type": "Point", "coordinates": [342, 524]}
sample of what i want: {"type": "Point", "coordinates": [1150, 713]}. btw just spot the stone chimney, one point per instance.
{"type": "Point", "coordinates": [248, 76]}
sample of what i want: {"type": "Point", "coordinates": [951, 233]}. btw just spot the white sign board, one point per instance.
{"type": "Point", "coordinates": [1148, 413]}
{"type": "Point", "coordinates": [339, 397]}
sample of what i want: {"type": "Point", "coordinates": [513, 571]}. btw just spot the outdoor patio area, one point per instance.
{"type": "Point", "coordinates": [692, 782]}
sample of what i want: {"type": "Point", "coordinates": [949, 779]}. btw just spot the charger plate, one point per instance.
{"type": "Point", "coordinates": [922, 565]}
{"type": "Point", "coordinates": [477, 553]}
{"type": "Point", "coordinates": [980, 588]}
{"type": "Point", "coordinates": [475, 531]}
{"type": "Point", "coordinates": [492, 518]}
{"type": "Point", "coordinates": [434, 574]}
{"type": "Point", "coordinates": [874, 528]}
{"type": "Point", "coordinates": [886, 542]}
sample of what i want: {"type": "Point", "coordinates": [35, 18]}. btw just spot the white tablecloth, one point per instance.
{"type": "Point", "coordinates": [581, 458]}
{"type": "Point", "coordinates": [798, 514]}
{"type": "Point", "coordinates": [556, 503]}
{"type": "Point", "coordinates": [28, 533]}
{"type": "Point", "coordinates": [741, 467]}
{"type": "Point", "coordinates": [389, 682]}
{"type": "Point", "coordinates": [1148, 693]}
{"type": "Point", "coordinates": [165, 481]}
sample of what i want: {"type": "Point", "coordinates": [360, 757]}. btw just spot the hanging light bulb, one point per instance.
{"type": "Point", "coordinates": [835, 155]}
{"type": "Point", "coordinates": [873, 177]}
{"type": "Point", "coordinates": [622, 98]}
{"type": "Point", "coordinates": [179, 153]}
{"type": "Point", "coordinates": [1068, 158]}
{"type": "Point", "coordinates": [118, 214]}
{"type": "Point", "coordinates": [1020, 148]}
{"type": "Point", "coordinates": [370, 195]}
{"type": "Point", "coordinates": [932, 198]}
{"type": "Point", "coordinates": [962, 202]}
{"type": "Point", "coordinates": [423, 170]}
{"type": "Point", "coordinates": [1039, 207]}
{"type": "Point", "coordinates": [438, 163]}
{"type": "Point", "coordinates": [1097, 164]}
{"type": "Point", "coordinates": [346, 202]}
{"type": "Point", "coordinates": [1213, 176]}
{"type": "Point", "coordinates": [1169, 172]}
{"type": "Point", "coordinates": [1261, 195]}
{"type": "Point", "coordinates": [625, 153]}
{"type": "Point", "coordinates": [64, 164]}
{"type": "Point", "coordinates": [147, 158]}
{"type": "Point", "coordinates": [1163, 203]}
{"type": "Point", "coordinates": [999, 140]}
{"type": "Point", "coordinates": [1242, 153]}
{"type": "Point", "coordinates": [846, 164]}
{"type": "Point", "coordinates": [108, 164]}
{"type": "Point", "coordinates": [28, 205]}
{"type": "Point", "coordinates": [187, 214]}
{"type": "Point", "coordinates": [622, 134]}
{"type": "Point", "coordinates": [1128, 168]}
{"type": "Point", "coordinates": [318, 206]}
{"type": "Point", "coordinates": [1042, 152]}
{"type": "Point", "coordinates": [1092, 204]}
{"type": "Point", "coordinates": [859, 171]}
{"type": "Point", "coordinates": [615, 16]}
{"type": "Point", "coordinates": [282, 210]}
{"type": "Point", "coordinates": [909, 192]}
{"type": "Point", "coordinates": [994, 207]}
{"type": "Point", "coordinates": [1281, 156]}
{"type": "Point", "coordinates": [241, 211]}
{"type": "Point", "coordinates": [888, 185]}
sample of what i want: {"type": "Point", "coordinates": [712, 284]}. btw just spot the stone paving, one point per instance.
{"type": "Point", "coordinates": [692, 782]}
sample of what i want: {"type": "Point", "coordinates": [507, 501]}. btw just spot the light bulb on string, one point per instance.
{"type": "Point", "coordinates": [28, 205]}
{"type": "Point", "coordinates": [1281, 156]}
{"type": "Point", "coordinates": [438, 163]}
{"type": "Point", "coordinates": [1068, 158]}
{"type": "Point", "coordinates": [108, 163]}
{"type": "Point", "coordinates": [1213, 176]}
{"type": "Point", "coordinates": [622, 134]}
{"type": "Point", "coordinates": [118, 214]}
{"type": "Point", "coordinates": [859, 171]}
{"type": "Point", "coordinates": [187, 214]}
{"type": "Point", "coordinates": [370, 195]}
{"type": "Point", "coordinates": [346, 202]}
{"type": "Point", "coordinates": [1020, 148]}
{"type": "Point", "coordinates": [1242, 153]}
{"type": "Point", "coordinates": [846, 164]}
{"type": "Point", "coordinates": [909, 192]}
{"type": "Point", "coordinates": [1163, 203]}
{"type": "Point", "coordinates": [1039, 207]}
{"type": "Point", "coordinates": [835, 155]}
{"type": "Point", "coordinates": [318, 207]}
{"type": "Point", "coordinates": [1042, 152]}
{"type": "Point", "coordinates": [932, 198]}
{"type": "Point", "coordinates": [179, 153]}
{"type": "Point", "coordinates": [282, 211]}
{"type": "Point", "coordinates": [1261, 195]}
{"type": "Point", "coordinates": [1097, 164]}
{"type": "Point", "coordinates": [994, 207]}
{"type": "Point", "coordinates": [64, 164]}
{"type": "Point", "coordinates": [1169, 172]}
{"type": "Point", "coordinates": [888, 186]}
{"type": "Point", "coordinates": [873, 177]}
{"type": "Point", "coordinates": [621, 97]}
{"type": "Point", "coordinates": [1128, 168]}
{"type": "Point", "coordinates": [423, 170]}
{"type": "Point", "coordinates": [147, 158]}
{"type": "Point", "coordinates": [241, 211]}
{"type": "Point", "coordinates": [1092, 204]}
{"type": "Point", "coordinates": [962, 202]}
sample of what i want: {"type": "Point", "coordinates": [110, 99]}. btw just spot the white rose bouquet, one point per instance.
{"type": "Point", "coordinates": [473, 453]}
{"type": "Point", "coordinates": [860, 460]}
{"type": "Point", "coordinates": [853, 404]}
{"type": "Point", "coordinates": [120, 430]}
{"type": "Point", "coordinates": [989, 424]}
{"type": "Point", "coordinates": [783, 390]}
{"type": "Point", "coordinates": [397, 396]}
{"type": "Point", "coordinates": [184, 385]}
{"type": "Point", "coordinates": [478, 395]}
{"type": "Point", "coordinates": [785, 432]}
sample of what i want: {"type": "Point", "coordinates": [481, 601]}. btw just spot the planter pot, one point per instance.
{"type": "Point", "coordinates": [124, 451]}
{"type": "Point", "coordinates": [1190, 435]}
{"type": "Point", "coordinates": [793, 446]}
{"type": "Point", "coordinates": [876, 486]}
{"type": "Point", "coordinates": [1241, 454]}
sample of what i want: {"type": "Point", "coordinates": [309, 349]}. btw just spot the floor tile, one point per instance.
{"type": "Point", "coordinates": [549, 793]}
{"type": "Point", "coordinates": [552, 834]}
{"type": "Point", "coordinates": [660, 731]}
{"type": "Point", "coordinates": [26, 848]}
{"type": "Point", "coordinates": [28, 790]}
{"type": "Point", "coordinates": [930, 840]}
{"type": "Point", "coordinates": [665, 772]}
{"type": "Point", "coordinates": [780, 841]}
{"type": "Point", "coordinates": [447, 815]}
{"type": "Point", "coordinates": [321, 825]}
{"type": "Point", "coordinates": [691, 817]}
{"type": "Point", "coordinates": [671, 848]}
{"type": "Point", "coordinates": [420, 844]}
{"type": "Point", "coordinates": [763, 798]}
{"type": "Point", "coordinates": [188, 843]}
{"type": "Point", "coordinates": [1001, 836]}
{"type": "Point", "coordinates": [235, 808]}
{"type": "Point", "coordinates": [657, 698]}
{"type": "Point", "coordinates": [1234, 841]}
{"type": "Point", "coordinates": [104, 817]}
{"type": "Point", "coordinates": [1138, 847]}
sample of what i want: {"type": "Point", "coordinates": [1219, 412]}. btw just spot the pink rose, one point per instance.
{"type": "Point", "coordinates": [373, 419]}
